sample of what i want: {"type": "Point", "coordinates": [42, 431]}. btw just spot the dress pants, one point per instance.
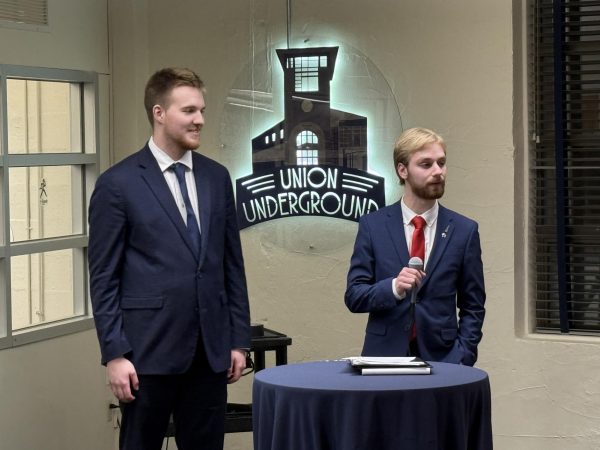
{"type": "Point", "coordinates": [197, 400]}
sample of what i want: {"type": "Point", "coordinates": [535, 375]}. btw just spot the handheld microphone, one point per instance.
{"type": "Point", "coordinates": [415, 263]}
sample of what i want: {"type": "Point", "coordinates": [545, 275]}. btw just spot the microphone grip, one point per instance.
{"type": "Point", "coordinates": [413, 296]}
{"type": "Point", "coordinates": [415, 263]}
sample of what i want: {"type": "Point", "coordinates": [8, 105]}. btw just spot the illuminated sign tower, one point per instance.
{"type": "Point", "coordinates": [311, 133]}
{"type": "Point", "coordinates": [313, 162]}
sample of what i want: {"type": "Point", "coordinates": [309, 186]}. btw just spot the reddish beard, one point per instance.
{"type": "Point", "coordinates": [430, 191]}
{"type": "Point", "coordinates": [187, 142]}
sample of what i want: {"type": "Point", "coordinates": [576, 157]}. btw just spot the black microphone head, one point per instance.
{"type": "Point", "coordinates": [415, 263]}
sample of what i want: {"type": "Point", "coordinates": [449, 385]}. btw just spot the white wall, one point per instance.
{"type": "Point", "coordinates": [53, 393]}
{"type": "Point", "coordinates": [450, 66]}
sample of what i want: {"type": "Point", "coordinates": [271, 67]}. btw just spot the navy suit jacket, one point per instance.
{"type": "Point", "coordinates": [450, 309]}
{"type": "Point", "coordinates": [151, 295]}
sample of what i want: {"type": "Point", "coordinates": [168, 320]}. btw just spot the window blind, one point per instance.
{"type": "Point", "coordinates": [565, 165]}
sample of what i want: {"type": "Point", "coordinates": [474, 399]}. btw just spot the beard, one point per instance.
{"type": "Point", "coordinates": [431, 191]}
{"type": "Point", "coordinates": [188, 141]}
{"type": "Point", "coordinates": [184, 143]}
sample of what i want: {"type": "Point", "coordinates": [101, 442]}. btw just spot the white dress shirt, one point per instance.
{"type": "Point", "coordinates": [430, 217]}
{"type": "Point", "coordinates": [165, 162]}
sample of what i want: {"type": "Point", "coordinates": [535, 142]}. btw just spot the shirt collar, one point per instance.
{"type": "Point", "coordinates": [165, 161]}
{"type": "Point", "coordinates": [430, 215]}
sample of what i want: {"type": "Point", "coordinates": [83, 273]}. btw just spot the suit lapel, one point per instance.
{"type": "Point", "coordinates": [154, 178]}
{"type": "Point", "coordinates": [395, 226]}
{"type": "Point", "coordinates": [443, 234]}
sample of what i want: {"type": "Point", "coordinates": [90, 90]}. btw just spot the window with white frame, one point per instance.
{"type": "Point", "coordinates": [307, 149]}
{"type": "Point", "coordinates": [48, 164]}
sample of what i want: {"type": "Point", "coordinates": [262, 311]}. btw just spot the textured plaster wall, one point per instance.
{"type": "Point", "coordinates": [53, 393]}
{"type": "Point", "coordinates": [450, 66]}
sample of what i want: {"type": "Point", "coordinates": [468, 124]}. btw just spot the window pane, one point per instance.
{"type": "Point", "coordinates": [307, 73]}
{"type": "Point", "coordinates": [48, 170]}
{"type": "Point", "coordinates": [305, 139]}
{"type": "Point", "coordinates": [43, 117]}
{"type": "Point", "coordinates": [42, 287]}
{"type": "Point", "coordinates": [307, 148]}
{"type": "Point", "coordinates": [45, 201]}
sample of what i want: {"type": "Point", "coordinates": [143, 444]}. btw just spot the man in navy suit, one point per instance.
{"type": "Point", "coordinates": [444, 323]}
{"type": "Point", "coordinates": [167, 277]}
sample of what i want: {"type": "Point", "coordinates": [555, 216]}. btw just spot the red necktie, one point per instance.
{"type": "Point", "coordinates": [418, 240]}
{"type": "Point", "coordinates": [417, 248]}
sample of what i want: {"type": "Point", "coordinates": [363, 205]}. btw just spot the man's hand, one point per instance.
{"type": "Point", "coordinates": [122, 377]}
{"type": "Point", "coordinates": [408, 279]}
{"type": "Point", "coordinates": [238, 363]}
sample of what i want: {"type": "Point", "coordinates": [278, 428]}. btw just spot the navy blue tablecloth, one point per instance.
{"type": "Point", "coordinates": [327, 405]}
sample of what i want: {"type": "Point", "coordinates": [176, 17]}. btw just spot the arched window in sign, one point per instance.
{"type": "Point", "coordinates": [307, 148]}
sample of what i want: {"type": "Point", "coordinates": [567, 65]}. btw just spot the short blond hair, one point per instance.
{"type": "Point", "coordinates": [410, 142]}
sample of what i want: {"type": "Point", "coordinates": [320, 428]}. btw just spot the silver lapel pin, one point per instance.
{"type": "Point", "coordinates": [444, 233]}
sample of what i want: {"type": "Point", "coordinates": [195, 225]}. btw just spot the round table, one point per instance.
{"type": "Point", "coordinates": [328, 405]}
